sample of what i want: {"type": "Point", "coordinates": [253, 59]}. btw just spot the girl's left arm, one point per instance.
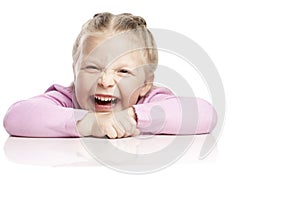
{"type": "Point", "coordinates": [165, 113]}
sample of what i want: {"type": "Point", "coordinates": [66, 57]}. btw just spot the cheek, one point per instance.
{"type": "Point", "coordinates": [83, 85]}
{"type": "Point", "coordinates": [130, 90]}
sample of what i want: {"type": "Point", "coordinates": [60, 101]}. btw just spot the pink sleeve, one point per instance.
{"type": "Point", "coordinates": [163, 113]}
{"type": "Point", "coordinates": [48, 115]}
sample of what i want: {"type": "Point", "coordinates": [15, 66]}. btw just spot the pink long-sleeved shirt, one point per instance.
{"type": "Point", "coordinates": [53, 114]}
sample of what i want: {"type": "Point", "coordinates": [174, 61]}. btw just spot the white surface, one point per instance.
{"type": "Point", "coordinates": [58, 152]}
{"type": "Point", "coordinates": [255, 46]}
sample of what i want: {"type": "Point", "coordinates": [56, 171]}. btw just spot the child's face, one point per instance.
{"type": "Point", "coordinates": [104, 80]}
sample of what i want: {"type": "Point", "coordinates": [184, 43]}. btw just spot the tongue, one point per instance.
{"type": "Point", "coordinates": [104, 102]}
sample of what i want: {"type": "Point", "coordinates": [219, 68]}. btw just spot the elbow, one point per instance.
{"type": "Point", "coordinates": [214, 120]}
{"type": "Point", "coordinates": [208, 117]}
{"type": "Point", "coordinates": [9, 124]}
{"type": "Point", "coordinates": [14, 122]}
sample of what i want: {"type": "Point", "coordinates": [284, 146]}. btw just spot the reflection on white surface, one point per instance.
{"type": "Point", "coordinates": [47, 151]}
{"type": "Point", "coordinates": [75, 152]}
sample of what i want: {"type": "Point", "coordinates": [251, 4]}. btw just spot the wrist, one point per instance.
{"type": "Point", "coordinates": [86, 124]}
{"type": "Point", "coordinates": [132, 113]}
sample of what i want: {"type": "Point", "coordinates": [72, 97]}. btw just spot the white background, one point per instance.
{"type": "Point", "coordinates": [255, 46]}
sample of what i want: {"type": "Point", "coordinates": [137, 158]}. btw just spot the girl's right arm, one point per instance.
{"type": "Point", "coordinates": [48, 115]}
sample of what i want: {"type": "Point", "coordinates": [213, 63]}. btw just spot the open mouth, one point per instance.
{"type": "Point", "coordinates": [105, 102]}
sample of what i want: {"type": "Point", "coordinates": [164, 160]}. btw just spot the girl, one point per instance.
{"type": "Point", "coordinates": [114, 59]}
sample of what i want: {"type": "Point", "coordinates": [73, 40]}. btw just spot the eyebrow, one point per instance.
{"type": "Point", "coordinates": [93, 62]}
{"type": "Point", "coordinates": [122, 65]}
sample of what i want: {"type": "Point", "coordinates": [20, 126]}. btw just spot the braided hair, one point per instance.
{"type": "Point", "coordinates": [108, 22]}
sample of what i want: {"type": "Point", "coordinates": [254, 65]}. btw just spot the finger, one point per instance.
{"type": "Point", "coordinates": [133, 125]}
{"type": "Point", "coordinates": [136, 132]}
{"type": "Point", "coordinates": [129, 128]}
{"type": "Point", "coordinates": [119, 130]}
{"type": "Point", "coordinates": [111, 133]}
{"type": "Point", "coordinates": [125, 124]}
{"type": "Point", "coordinates": [99, 135]}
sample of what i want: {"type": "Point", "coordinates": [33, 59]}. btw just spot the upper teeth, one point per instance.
{"type": "Point", "coordinates": [105, 98]}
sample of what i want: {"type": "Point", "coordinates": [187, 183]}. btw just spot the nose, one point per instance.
{"type": "Point", "coordinates": [106, 80]}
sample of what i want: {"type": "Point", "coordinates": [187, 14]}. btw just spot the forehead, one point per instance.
{"type": "Point", "coordinates": [107, 48]}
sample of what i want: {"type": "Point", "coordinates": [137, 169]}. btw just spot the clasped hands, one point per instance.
{"type": "Point", "coordinates": [112, 124]}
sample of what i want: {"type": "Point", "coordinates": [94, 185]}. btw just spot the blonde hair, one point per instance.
{"type": "Point", "coordinates": [107, 22]}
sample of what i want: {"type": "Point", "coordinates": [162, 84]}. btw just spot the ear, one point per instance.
{"type": "Point", "coordinates": [73, 65]}
{"type": "Point", "coordinates": [147, 86]}
{"type": "Point", "coordinates": [145, 89]}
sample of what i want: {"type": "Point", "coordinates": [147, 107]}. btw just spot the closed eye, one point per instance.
{"type": "Point", "coordinates": [124, 71]}
{"type": "Point", "coordinates": [92, 69]}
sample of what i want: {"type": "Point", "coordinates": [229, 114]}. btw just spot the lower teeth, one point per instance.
{"type": "Point", "coordinates": [105, 102]}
